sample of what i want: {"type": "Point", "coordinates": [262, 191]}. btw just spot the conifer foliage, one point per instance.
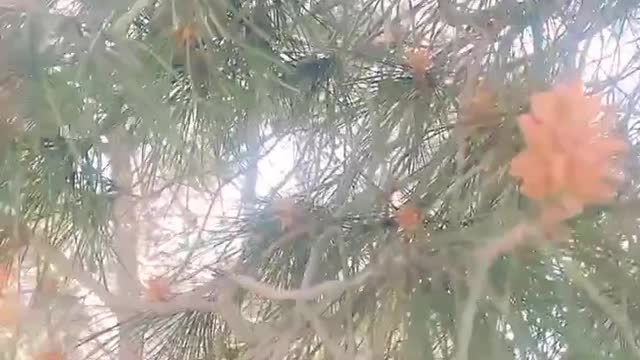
{"type": "Point", "coordinates": [319, 179]}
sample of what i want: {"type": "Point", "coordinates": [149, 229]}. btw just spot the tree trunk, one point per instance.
{"type": "Point", "coordinates": [125, 240]}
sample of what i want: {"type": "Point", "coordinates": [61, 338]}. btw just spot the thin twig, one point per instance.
{"type": "Point", "coordinates": [330, 287]}
{"type": "Point", "coordinates": [465, 327]}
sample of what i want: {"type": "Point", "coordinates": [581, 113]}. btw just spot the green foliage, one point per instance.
{"type": "Point", "coordinates": [200, 115]}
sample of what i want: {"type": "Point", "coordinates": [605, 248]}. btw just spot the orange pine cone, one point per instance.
{"type": "Point", "coordinates": [158, 289]}
{"type": "Point", "coordinates": [419, 61]}
{"type": "Point", "coordinates": [409, 217]}
{"type": "Point", "coordinates": [287, 212]}
{"type": "Point", "coordinates": [49, 355]}
{"type": "Point", "coordinates": [187, 35]}
{"type": "Point", "coordinates": [570, 152]}
{"type": "Point", "coordinates": [483, 109]}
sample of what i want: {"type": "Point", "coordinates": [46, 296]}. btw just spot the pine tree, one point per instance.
{"type": "Point", "coordinates": [286, 179]}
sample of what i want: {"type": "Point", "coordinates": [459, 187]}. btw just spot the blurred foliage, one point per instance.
{"type": "Point", "coordinates": [206, 91]}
